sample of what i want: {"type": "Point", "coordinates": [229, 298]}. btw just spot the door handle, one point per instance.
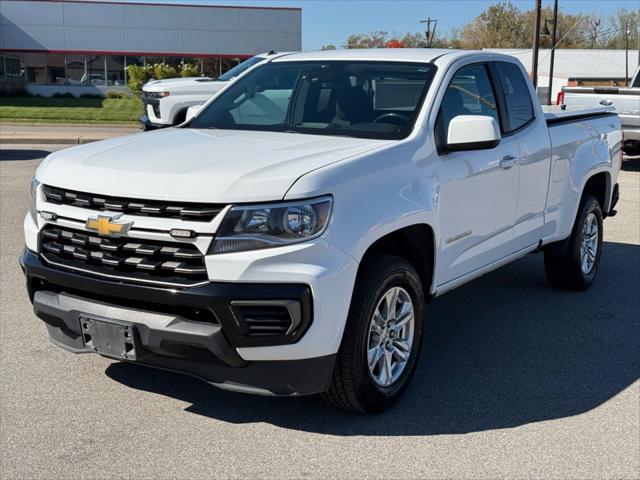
{"type": "Point", "coordinates": [508, 161]}
{"type": "Point", "coordinates": [606, 103]}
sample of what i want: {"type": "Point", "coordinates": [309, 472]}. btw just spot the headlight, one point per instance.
{"type": "Point", "coordinates": [158, 94]}
{"type": "Point", "coordinates": [33, 195]}
{"type": "Point", "coordinates": [273, 225]}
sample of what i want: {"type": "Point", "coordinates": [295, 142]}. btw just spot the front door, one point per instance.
{"type": "Point", "coordinates": [478, 188]}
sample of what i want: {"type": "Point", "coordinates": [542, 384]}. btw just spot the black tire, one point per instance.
{"type": "Point", "coordinates": [631, 148]}
{"type": "Point", "coordinates": [565, 271]}
{"type": "Point", "coordinates": [352, 386]}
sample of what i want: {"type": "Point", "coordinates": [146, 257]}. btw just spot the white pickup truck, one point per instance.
{"type": "Point", "coordinates": [165, 102]}
{"type": "Point", "coordinates": [286, 239]}
{"type": "Point", "coordinates": [625, 100]}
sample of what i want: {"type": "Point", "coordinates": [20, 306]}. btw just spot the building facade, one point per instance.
{"type": "Point", "coordinates": [575, 67]}
{"type": "Point", "coordinates": [90, 43]}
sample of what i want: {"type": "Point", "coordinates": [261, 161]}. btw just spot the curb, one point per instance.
{"type": "Point", "coordinates": [50, 140]}
{"type": "Point", "coordinates": [6, 123]}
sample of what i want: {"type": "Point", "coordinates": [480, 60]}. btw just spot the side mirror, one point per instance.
{"type": "Point", "coordinates": [192, 111]}
{"type": "Point", "coordinates": [473, 132]}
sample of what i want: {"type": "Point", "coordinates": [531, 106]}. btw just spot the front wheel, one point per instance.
{"type": "Point", "coordinates": [382, 337]}
{"type": "Point", "coordinates": [577, 268]}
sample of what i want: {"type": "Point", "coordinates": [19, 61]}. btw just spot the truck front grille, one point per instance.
{"type": "Point", "coordinates": [154, 102]}
{"type": "Point", "coordinates": [151, 208]}
{"type": "Point", "coordinates": [147, 261]}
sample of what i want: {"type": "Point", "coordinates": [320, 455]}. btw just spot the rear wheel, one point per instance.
{"type": "Point", "coordinates": [631, 148]}
{"type": "Point", "coordinates": [382, 337]}
{"type": "Point", "coordinates": [578, 267]}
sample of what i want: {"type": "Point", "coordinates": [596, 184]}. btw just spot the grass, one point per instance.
{"type": "Point", "coordinates": [70, 110]}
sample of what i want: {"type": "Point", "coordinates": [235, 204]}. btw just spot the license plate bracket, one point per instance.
{"type": "Point", "coordinates": [108, 337]}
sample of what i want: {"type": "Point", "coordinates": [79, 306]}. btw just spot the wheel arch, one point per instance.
{"type": "Point", "coordinates": [415, 243]}
{"type": "Point", "coordinates": [599, 185]}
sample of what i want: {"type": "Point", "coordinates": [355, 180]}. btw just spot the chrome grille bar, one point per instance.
{"type": "Point", "coordinates": [152, 208]}
{"type": "Point", "coordinates": [134, 258]}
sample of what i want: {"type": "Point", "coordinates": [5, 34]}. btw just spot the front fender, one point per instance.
{"type": "Point", "coordinates": [374, 194]}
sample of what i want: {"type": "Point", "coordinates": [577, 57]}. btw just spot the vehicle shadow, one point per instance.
{"type": "Point", "coordinates": [503, 351]}
{"type": "Point", "coordinates": [630, 164]}
{"type": "Point", "coordinates": [17, 154]}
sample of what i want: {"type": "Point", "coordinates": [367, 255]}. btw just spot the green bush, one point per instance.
{"type": "Point", "coordinates": [112, 94]}
{"type": "Point", "coordinates": [138, 75]}
{"type": "Point", "coordinates": [63, 95]}
{"type": "Point", "coordinates": [189, 70]}
{"type": "Point", "coordinates": [91, 95]}
{"type": "Point", "coordinates": [162, 70]}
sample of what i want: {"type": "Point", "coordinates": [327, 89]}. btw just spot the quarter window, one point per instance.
{"type": "Point", "coordinates": [469, 93]}
{"type": "Point", "coordinates": [516, 95]}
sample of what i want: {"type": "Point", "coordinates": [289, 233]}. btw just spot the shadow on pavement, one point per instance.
{"type": "Point", "coordinates": [630, 164]}
{"type": "Point", "coordinates": [16, 154]}
{"type": "Point", "coordinates": [503, 351]}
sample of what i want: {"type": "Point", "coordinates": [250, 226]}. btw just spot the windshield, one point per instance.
{"type": "Point", "coordinates": [360, 99]}
{"type": "Point", "coordinates": [636, 81]}
{"type": "Point", "coordinates": [238, 69]}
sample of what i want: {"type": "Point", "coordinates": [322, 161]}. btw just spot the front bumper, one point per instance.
{"type": "Point", "coordinates": [193, 330]}
{"type": "Point", "coordinates": [149, 125]}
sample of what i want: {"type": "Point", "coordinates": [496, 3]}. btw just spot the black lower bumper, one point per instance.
{"type": "Point", "coordinates": [149, 125]}
{"type": "Point", "coordinates": [192, 330]}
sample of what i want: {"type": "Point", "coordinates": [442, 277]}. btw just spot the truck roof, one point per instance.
{"type": "Point", "coordinates": [373, 54]}
{"type": "Point", "coordinates": [417, 55]}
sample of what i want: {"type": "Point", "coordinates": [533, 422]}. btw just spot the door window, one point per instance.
{"type": "Point", "coordinates": [469, 93]}
{"type": "Point", "coordinates": [516, 95]}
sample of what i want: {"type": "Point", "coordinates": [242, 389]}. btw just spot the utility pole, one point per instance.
{"type": "Point", "coordinates": [626, 54]}
{"type": "Point", "coordinates": [430, 33]}
{"type": "Point", "coordinates": [553, 49]}
{"type": "Point", "coordinates": [536, 45]}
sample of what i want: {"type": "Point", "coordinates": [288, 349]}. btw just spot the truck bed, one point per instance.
{"type": "Point", "coordinates": [555, 114]}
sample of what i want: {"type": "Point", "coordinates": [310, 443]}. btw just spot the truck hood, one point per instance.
{"type": "Point", "coordinates": [185, 86]}
{"type": "Point", "coordinates": [181, 164]}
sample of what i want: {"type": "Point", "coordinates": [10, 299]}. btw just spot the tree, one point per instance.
{"type": "Point", "coordinates": [499, 26]}
{"type": "Point", "coordinates": [377, 39]}
{"type": "Point", "coordinates": [503, 25]}
{"type": "Point", "coordinates": [618, 24]}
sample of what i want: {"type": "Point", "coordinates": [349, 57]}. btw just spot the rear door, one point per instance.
{"type": "Point", "coordinates": [478, 188]}
{"type": "Point", "coordinates": [527, 125]}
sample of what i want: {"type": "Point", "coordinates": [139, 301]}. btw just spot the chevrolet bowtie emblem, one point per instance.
{"type": "Point", "coordinates": [107, 225]}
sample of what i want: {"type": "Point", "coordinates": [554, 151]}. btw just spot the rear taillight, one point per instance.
{"type": "Point", "coordinates": [560, 98]}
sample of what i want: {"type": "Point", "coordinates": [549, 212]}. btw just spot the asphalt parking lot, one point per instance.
{"type": "Point", "coordinates": [515, 379]}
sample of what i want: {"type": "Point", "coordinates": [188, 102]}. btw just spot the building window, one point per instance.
{"type": "Point", "coordinates": [115, 70]}
{"type": "Point", "coordinates": [76, 69]}
{"type": "Point", "coordinates": [12, 67]}
{"type": "Point", "coordinates": [55, 69]}
{"type": "Point", "coordinates": [95, 71]}
{"type": "Point", "coordinates": [211, 67]}
{"type": "Point", "coordinates": [36, 68]}
{"type": "Point", "coordinates": [153, 60]}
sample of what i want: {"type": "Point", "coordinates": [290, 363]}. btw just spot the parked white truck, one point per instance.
{"type": "Point", "coordinates": [625, 100]}
{"type": "Point", "coordinates": [165, 102]}
{"type": "Point", "coordinates": [286, 239]}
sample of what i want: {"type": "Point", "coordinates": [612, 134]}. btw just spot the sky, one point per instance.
{"type": "Point", "coordinates": [332, 21]}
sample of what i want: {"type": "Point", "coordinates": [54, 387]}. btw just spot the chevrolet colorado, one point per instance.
{"type": "Point", "coordinates": [286, 239]}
